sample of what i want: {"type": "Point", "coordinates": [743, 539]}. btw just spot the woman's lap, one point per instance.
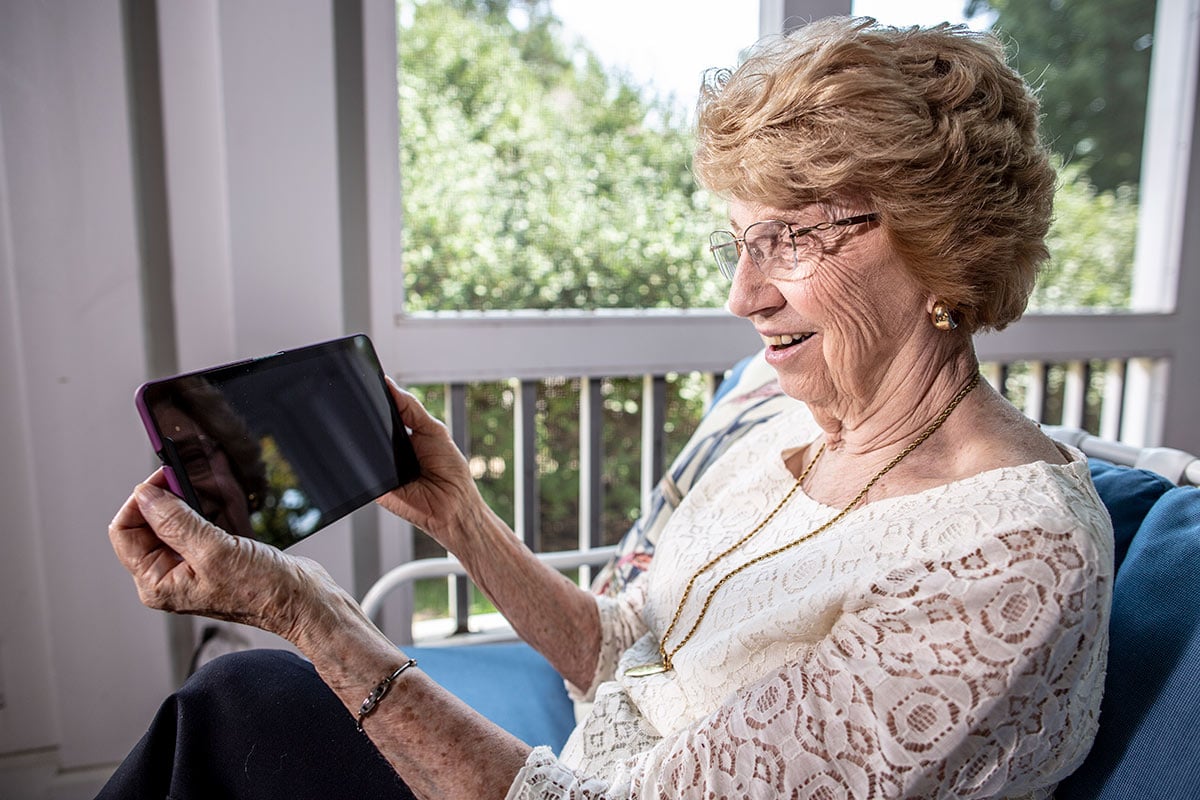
{"type": "Point", "coordinates": [256, 724]}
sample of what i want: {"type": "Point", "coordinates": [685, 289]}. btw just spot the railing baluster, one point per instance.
{"type": "Point", "coordinates": [525, 484]}
{"type": "Point", "coordinates": [711, 383]}
{"type": "Point", "coordinates": [659, 440]}
{"type": "Point", "coordinates": [456, 413]}
{"type": "Point", "coordinates": [591, 468]}
{"type": "Point", "coordinates": [1002, 381]}
{"type": "Point", "coordinates": [1035, 391]}
{"type": "Point", "coordinates": [1074, 402]}
{"type": "Point", "coordinates": [654, 403]}
{"type": "Point", "coordinates": [1112, 402]}
{"type": "Point", "coordinates": [992, 374]}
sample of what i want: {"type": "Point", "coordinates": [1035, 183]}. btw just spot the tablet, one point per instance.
{"type": "Point", "coordinates": [276, 448]}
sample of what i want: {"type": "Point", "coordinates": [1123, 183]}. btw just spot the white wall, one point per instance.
{"type": "Point", "coordinates": [70, 261]}
{"type": "Point", "coordinates": [242, 246]}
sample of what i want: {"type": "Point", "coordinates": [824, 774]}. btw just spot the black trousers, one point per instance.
{"type": "Point", "coordinates": [255, 724]}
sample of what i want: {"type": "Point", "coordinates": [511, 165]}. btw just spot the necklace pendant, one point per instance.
{"type": "Point", "coordinates": [646, 670]}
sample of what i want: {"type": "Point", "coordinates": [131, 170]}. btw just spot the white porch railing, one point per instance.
{"type": "Point", "coordinates": [1136, 349]}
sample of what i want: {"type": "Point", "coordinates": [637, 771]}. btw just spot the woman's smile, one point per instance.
{"type": "Point", "coordinates": [784, 346]}
{"type": "Point", "coordinates": [784, 339]}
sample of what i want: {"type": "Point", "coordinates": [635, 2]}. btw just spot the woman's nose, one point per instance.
{"type": "Point", "coordinates": [750, 291]}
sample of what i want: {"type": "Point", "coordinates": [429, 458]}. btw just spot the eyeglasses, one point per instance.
{"type": "Point", "coordinates": [776, 247]}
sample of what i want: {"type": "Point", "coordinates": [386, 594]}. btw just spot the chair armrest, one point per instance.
{"type": "Point", "coordinates": [396, 577]}
{"type": "Point", "coordinates": [1177, 466]}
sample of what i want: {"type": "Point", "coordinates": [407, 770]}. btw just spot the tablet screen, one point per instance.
{"type": "Point", "coordinates": [278, 447]}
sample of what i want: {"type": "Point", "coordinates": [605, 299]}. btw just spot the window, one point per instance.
{"type": "Point", "coordinates": [538, 175]}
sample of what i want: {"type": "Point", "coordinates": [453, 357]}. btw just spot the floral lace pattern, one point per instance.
{"type": "Point", "coordinates": [949, 643]}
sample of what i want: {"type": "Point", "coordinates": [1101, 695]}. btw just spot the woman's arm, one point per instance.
{"type": "Point", "coordinates": [180, 562]}
{"type": "Point", "coordinates": [547, 610]}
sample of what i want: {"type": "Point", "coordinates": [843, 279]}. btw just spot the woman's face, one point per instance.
{"type": "Point", "coordinates": [856, 318]}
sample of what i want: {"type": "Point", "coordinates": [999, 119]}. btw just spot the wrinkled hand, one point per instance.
{"type": "Point", "coordinates": [181, 562]}
{"type": "Point", "coordinates": [445, 492]}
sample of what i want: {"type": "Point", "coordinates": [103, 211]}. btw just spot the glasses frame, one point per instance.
{"type": "Point", "coordinates": [794, 232]}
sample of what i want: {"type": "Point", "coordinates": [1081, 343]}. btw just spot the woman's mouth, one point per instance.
{"type": "Point", "coordinates": [785, 340]}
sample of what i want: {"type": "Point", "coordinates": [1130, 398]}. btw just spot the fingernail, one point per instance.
{"type": "Point", "coordinates": [147, 493]}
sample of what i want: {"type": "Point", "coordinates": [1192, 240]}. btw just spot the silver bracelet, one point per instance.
{"type": "Point", "coordinates": [380, 690]}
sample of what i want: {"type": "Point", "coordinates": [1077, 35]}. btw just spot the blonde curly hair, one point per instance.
{"type": "Point", "coordinates": [927, 126]}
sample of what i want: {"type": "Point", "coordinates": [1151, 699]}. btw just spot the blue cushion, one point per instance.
{"type": "Point", "coordinates": [1147, 744]}
{"type": "Point", "coordinates": [511, 684]}
{"type": "Point", "coordinates": [1128, 494]}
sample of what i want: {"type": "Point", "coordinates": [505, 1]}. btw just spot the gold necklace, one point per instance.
{"type": "Point", "coordinates": [665, 662]}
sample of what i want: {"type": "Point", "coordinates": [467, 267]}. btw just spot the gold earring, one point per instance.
{"type": "Point", "coordinates": [942, 317]}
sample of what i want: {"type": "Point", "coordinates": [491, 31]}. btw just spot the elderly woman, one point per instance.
{"type": "Point", "coordinates": [895, 587]}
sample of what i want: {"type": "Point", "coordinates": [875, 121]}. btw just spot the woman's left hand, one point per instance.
{"type": "Point", "coordinates": [181, 562]}
{"type": "Point", "coordinates": [445, 493]}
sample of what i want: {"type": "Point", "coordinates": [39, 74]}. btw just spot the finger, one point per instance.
{"type": "Point", "coordinates": [129, 524]}
{"type": "Point", "coordinates": [413, 414]}
{"type": "Point", "coordinates": [135, 543]}
{"type": "Point", "coordinates": [129, 535]}
{"type": "Point", "coordinates": [173, 521]}
{"type": "Point", "coordinates": [129, 516]}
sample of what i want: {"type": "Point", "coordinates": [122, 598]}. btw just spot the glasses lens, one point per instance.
{"type": "Point", "coordinates": [770, 246]}
{"type": "Point", "coordinates": [724, 248]}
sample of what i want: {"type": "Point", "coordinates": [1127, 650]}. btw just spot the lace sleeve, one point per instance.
{"type": "Point", "coordinates": [975, 676]}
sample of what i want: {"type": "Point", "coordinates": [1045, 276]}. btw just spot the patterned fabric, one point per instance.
{"type": "Point", "coordinates": [949, 643]}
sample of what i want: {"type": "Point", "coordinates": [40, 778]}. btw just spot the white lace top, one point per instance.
{"type": "Point", "coordinates": [949, 643]}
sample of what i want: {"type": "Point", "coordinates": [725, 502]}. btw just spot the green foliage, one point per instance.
{"type": "Point", "coordinates": [1091, 246]}
{"type": "Point", "coordinates": [1091, 61]}
{"type": "Point", "coordinates": [284, 508]}
{"type": "Point", "coordinates": [534, 179]}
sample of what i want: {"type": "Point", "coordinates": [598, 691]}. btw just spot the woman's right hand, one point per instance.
{"type": "Point", "coordinates": [181, 562]}
{"type": "Point", "coordinates": [445, 492]}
